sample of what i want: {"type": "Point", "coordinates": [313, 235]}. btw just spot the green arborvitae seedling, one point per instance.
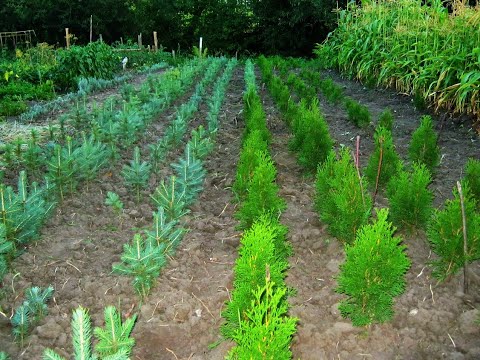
{"type": "Point", "coordinates": [136, 174]}
{"type": "Point", "coordinates": [256, 252]}
{"type": "Point", "coordinates": [114, 201]}
{"type": "Point", "coordinates": [190, 175]}
{"type": "Point", "coordinates": [332, 92]}
{"type": "Point", "coordinates": [82, 340]}
{"type": "Point", "coordinates": [168, 197]}
{"type": "Point", "coordinates": [386, 120]}
{"type": "Point", "coordinates": [341, 199]}
{"type": "Point", "coordinates": [267, 331]}
{"type": "Point", "coordinates": [358, 114]}
{"type": "Point", "coordinates": [472, 176]}
{"type": "Point", "coordinates": [115, 337]}
{"type": "Point", "coordinates": [384, 161]}
{"type": "Point", "coordinates": [165, 233]}
{"type": "Point", "coordinates": [317, 142]}
{"type": "Point", "coordinates": [409, 197]}
{"type": "Point", "coordinates": [252, 150]}
{"type": "Point", "coordinates": [36, 300]}
{"type": "Point", "coordinates": [373, 273]}
{"type": "Point", "coordinates": [262, 196]}
{"type": "Point", "coordinates": [143, 261]}
{"type": "Point", "coordinates": [423, 147]}
{"type": "Point", "coordinates": [255, 118]}
{"type": "Point", "coordinates": [445, 233]}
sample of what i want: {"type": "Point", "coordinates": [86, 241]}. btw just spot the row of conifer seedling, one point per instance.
{"type": "Point", "coordinates": [374, 270]}
{"type": "Point", "coordinates": [109, 130]}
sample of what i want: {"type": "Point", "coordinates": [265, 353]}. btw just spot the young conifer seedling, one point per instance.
{"type": "Point", "coordinates": [358, 114]}
{"type": "Point", "coordinates": [137, 173]}
{"type": "Point", "coordinates": [373, 273]}
{"type": "Point", "coordinates": [386, 120]}
{"type": "Point", "coordinates": [472, 176]}
{"type": "Point", "coordinates": [423, 147]}
{"type": "Point", "coordinates": [170, 198]}
{"type": "Point", "coordinates": [445, 233]}
{"type": "Point", "coordinates": [114, 201]}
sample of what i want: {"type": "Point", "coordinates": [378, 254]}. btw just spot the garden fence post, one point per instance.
{"type": "Point", "coordinates": [155, 41]}
{"type": "Point", "coordinates": [67, 38]}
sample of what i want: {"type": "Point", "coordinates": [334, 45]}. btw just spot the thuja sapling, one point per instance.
{"type": "Point", "coordinates": [386, 119]}
{"type": "Point", "coordinates": [424, 145]}
{"type": "Point", "coordinates": [445, 233]}
{"type": "Point", "coordinates": [358, 114]}
{"type": "Point", "coordinates": [472, 177]}
{"type": "Point", "coordinates": [340, 197]}
{"type": "Point", "coordinates": [409, 197]}
{"type": "Point", "coordinates": [373, 273]}
{"type": "Point", "coordinates": [137, 173]}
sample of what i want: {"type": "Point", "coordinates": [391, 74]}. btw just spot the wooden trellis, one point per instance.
{"type": "Point", "coordinates": [16, 37]}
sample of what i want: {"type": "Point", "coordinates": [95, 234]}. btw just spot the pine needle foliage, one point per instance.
{"type": "Point", "coordinates": [340, 198]}
{"type": "Point", "coordinates": [257, 251]}
{"type": "Point", "coordinates": [142, 260]}
{"type": "Point", "coordinates": [114, 201]}
{"type": "Point", "coordinates": [137, 173]}
{"type": "Point", "coordinates": [89, 158]}
{"type": "Point", "coordinates": [267, 331]}
{"type": "Point", "coordinates": [61, 170]}
{"type": "Point", "coordinates": [385, 152]}
{"type": "Point", "coordinates": [21, 323]}
{"type": "Point", "coordinates": [423, 146]}
{"type": "Point", "coordinates": [472, 177]}
{"type": "Point", "coordinates": [115, 337]}
{"type": "Point", "coordinates": [4, 356]}
{"type": "Point", "coordinates": [252, 150]}
{"type": "Point", "coordinates": [165, 234]}
{"type": "Point", "coordinates": [6, 252]}
{"type": "Point", "coordinates": [445, 233]}
{"type": "Point", "coordinates": [262, 196]}
{"type": "Point", "coordinates": [168, 196]}
{"type": "Point", "coordinates": [358, 114]}
{"type": "Point", "coordinates": [386, 120]}
{"type": "Point", "coordinates": [373, 273]}
{"type": "Point", "coordinates": [200, 144]}
{"type": "Point", "coordinates": [409, 197]}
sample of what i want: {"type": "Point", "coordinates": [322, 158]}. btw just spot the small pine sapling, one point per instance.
{"type": "Point", "coordinates": [423, 146]}
{"type": "Point", "coordinates": [36, 300]}
{"type": "Point", "coordinates": [115, 337]}
{"type": "Point", "coordinates": [267, 331]}
{"type": "Point", "coordinates": [142, 260]}
{"type": "Point", "coordinates": [409, 197]}
{"type": "Point", "coordinates": [21, 323]}
{"type": "Point", "coordinates": [445, 233]}
{"type": "Point", "coordinates": [373, 273]}
{"type": "Point", "coordinates": [114, 201]}
{"type": "Point", "coordinates": [165, 234]}
{"type": "Point", "coordinates": [340, 197]}
{"type": "Point", "coordinates": [384, 161]}
{"type": "Point", "coordinates": [61, 170]}
{"type": "Point", "coordinates": [200, 144]}
{"type": "Point", "coordinates": [158, 153]}
{"type": "Point", "coordinates": [386, 120]}
{"type": "Point", "coordinates": [168, 197]}
{"type": "Point", "coordinates": [6, 250]}
{"type": "Point", "coordinates": [90, 157]}
{"type": "Point", "coordinates": [472, 177]}
{"type": "Point", "coordinates": [358, 114]}
{"type": "Point", "coordinates": [4, 356]}
{"type": "Point", "coordinates": [262, 196]}
{"type": "Point", "coordinates": [257, 251]}
{"type": "Point", "coordinates": [137, 173]}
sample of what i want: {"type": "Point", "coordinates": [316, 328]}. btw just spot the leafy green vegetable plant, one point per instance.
{"type": "Point", "coordinates": [373, 273]}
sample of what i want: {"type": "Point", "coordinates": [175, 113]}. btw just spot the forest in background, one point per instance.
{"type": "Point", "coordinates": [288, 27]}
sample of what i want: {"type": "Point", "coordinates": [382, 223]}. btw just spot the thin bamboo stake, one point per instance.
{"type": "Point", "coordinates": [91, 27]}
{"type": "Point", "coordinates": [465, 245]}
{"type": "Point", "coordinates": [67, 38]}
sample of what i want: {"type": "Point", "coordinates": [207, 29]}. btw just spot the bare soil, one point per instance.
{"type": "Point", "coordinates": [181, 317]}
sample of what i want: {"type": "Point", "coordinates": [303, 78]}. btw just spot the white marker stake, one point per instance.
{"type": "Point", "coordinates": [200, 47]}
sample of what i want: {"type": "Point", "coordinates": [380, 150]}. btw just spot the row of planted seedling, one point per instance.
{"type": "Point", "coordinates": [24, 211]}
{"type": "Point", "coordinates": [344, 202]}
{"type": "Point", "coordinates": [256, 315]}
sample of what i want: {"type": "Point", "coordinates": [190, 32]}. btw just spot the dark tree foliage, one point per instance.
{"type": "Point", "coordinates": [289, 27]}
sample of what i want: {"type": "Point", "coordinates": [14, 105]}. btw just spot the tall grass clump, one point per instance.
{"type": "Point", "coordinates": [423, 146]}
{"type": "Point", "coordinates": [340, 198]}
{"type": "Point", "coordinates": [416, 47]}
{"type": "Point", "coordinates": [373, 273]}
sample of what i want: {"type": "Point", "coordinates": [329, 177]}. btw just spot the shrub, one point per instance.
{"type": "Point", "coordinates": [472, 176]}
{"type": "Point", "coordinates": [257, 251]}
{"type": "Point", "coordinates": [267, 331]}
{"type": "Point", "coordinates": [254, 115]}
{"type": "Point", "coordinates": [423, 146]}
{"type": "Point", "coordinates": [331, 91]}
{"type": "Point", "coordinates": [386, 120]}
{"type": "Point", "coordinates": [373, 273]}
{"type": "Point", "coordinates": [136, 174]}
{"type": "Point", "coordinates": [340, 198]}
{"type": "Point", "coordinates": [262, 196]}
{"type": "Point", "coordinates": [358, 114]}
{"type": "Point", "coordinates": [445, 233]}
{"type": "Point", "coordinates": [385, 155]}
{"type": "Point", "coordinates": [409, 197]}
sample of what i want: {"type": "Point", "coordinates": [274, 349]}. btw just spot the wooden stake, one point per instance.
{"type": "Point", "coordinates": [67, 38]}
{"type": "Point", "coordinates": [91, 27]}
{"type": "Point", "coordinates": [101, 38]}
{"type": "Point", "coordinates": [140, 40]}
{"type": "Point", "coordinates": [465, 245]}
{"type": "Point", "coordinates": [155, 41]}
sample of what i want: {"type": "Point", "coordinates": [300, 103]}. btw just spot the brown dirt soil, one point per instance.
{"type": "Point", "coordinates": [181, 317]}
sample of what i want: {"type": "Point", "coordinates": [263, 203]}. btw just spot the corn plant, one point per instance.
{"type": "Point", "coordinates": [136, 174]}
{"type": "Point", "coordinates": [423, 145]}
{"type": "Point", "coordinates": [373, 273]}
{"type": "Point", "coordinates": [445, 233]}
{"type": "Point", "coordinates": [143, 261]}
{"type": "Point", "coordinates": [170, 198]}
{"type": "Point", "coordinates": [82, 340]}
